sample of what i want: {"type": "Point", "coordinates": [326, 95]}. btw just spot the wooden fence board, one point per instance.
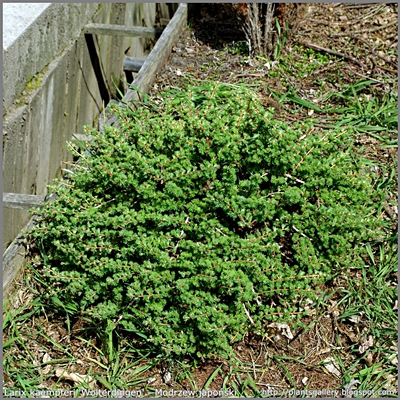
{"type": "Point", "coordinates": [21, 201]}
{"type": "Point", "coordinates": [15, 257]}
{"type": "Point", "coordinates": [156, 59]}
{"type": "Point", "coordinates": [121, 30]}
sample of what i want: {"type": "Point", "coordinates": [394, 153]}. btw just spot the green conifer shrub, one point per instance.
{"type": "Point", "coordinates": [195, 221]}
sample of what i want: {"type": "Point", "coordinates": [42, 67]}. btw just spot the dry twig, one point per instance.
{"type": "Point", "coordinates": [369, 30]}
{"type": "Point", "coordinates": [335, 53]}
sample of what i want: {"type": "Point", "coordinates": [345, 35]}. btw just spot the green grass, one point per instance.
{"type": "Point", "coordinates": [372, 297]}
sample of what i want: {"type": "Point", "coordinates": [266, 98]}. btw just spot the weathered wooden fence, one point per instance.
{"type": "Point", "coordinates": [73, 91]}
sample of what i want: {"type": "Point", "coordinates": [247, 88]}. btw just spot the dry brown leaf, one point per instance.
{"type": "Point", "coordinates": [74, 377]}
{"type": "Point", "coordinates": [393, 359]}
{"type": "Point", "coordinates": [369, 359]}
{"type": "Point", "coordinates": [284, 329]}
{"type": "Point", "coordinates": [324, 350]}
{"type": "Point", "coordinates": [47, 368]}
{"type": "Point", "coordinates": [366, 344]}
{"type": "Point", "coordinates": [332, 366]}
{"type": "Point", "coordinates": [390, 381]}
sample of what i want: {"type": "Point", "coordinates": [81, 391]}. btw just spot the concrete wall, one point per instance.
{"type": "Point", "coordinates": [51, 89]}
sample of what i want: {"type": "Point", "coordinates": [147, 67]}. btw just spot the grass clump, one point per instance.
{"type": "Point", "coordinates": [195, 221]}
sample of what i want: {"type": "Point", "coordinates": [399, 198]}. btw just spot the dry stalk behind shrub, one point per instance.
{"type": "Point", "coordinates": [258, 23]}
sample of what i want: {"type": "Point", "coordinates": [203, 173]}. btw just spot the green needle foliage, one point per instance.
{"type": "Point", "coordinates": [195, 221]}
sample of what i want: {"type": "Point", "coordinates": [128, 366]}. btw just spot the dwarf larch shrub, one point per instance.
{"type": "Point", "coordinates": [197, 220]}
